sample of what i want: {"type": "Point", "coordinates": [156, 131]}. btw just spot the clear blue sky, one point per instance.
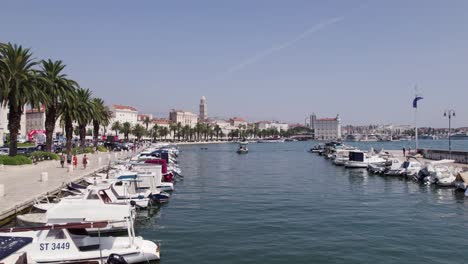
{"type": "Point", "coordinates": [259, 59]}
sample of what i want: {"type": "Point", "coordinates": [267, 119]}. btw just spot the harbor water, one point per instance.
{"type": "Point", "coordinates": [281, 204]}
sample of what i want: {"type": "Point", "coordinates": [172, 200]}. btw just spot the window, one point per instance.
{"type": "Point", "coordinates": [56, 234]}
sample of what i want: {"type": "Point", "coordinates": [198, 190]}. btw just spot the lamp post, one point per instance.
{"type": "Point", "coordinates": [449, 113]}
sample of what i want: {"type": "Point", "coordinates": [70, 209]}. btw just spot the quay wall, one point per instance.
{"type": "Point", "coordinates": [438, 154]}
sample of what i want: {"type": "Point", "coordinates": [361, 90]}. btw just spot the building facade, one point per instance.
{"type": "Point", "coordinates": [203, 109]}
{"type": "Point", "coordinates": [262, 125]}
{"type": "Point", "coordinates": [4, 124]}
{"type": "Point", "coordinates": [326, 128]}
{"type": "Point", "coordinates": [237, 121]}
{"type": "Point", "coordinates": [183, 117]}
{"type": "Point", "coordinates": [123, 113]}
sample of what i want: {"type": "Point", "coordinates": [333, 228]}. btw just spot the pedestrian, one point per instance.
{"type": "Point", "coordinates": [69, 159]}
{"type": "Point", "coordinates": [75, 161]}
{"type": "Point", "coordinates": [409, 150]}
{"type": "Point", "coordinates": [62, 159]}
{"type": "Point", "coordinates": [85, 161]}
{"type": "Point", "coordinates": [404, 152]}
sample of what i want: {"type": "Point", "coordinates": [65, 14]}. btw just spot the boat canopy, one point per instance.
{"type": "Point", "coordinates": [356, 156]}
{"type": "Point", "coordinates": [9, 245]}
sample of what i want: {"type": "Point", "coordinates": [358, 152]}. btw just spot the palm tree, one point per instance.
{"type": "Point", "coordinates": [198, 130]}
{"type": "Point", "coordinates": [126, 129]}
{"type": "Point", "coordinates": [163, 131]}
{"type": "Point", "coordinates": [57, 87]}
{"type": "Point", "coordinates": [102, 116]}
{"type": "Point", "coordinates": [19, 85]}
{"type": "Point", "coordinates": [68, 110]}
{"type": "Point", "coordinates": [146, 121]}
{"type": "Point", "coordinates": [138, 131]}
{"type": "Point", "coordinates": [86, 112]}
{"type": "Point", "coordinates": [217, 130]}
{"type": "Point", "coordinates": [186, 132]}
{"type": "Point", "coordinates": [155, 132]}
{"type": "Point", "coordinates": [179, 130]}
{"type": "Point", "coordinates": [173, 129]}
{"type": "Point", "coordinates": [116, 127]}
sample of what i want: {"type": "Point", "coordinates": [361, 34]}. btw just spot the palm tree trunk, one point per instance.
{"type": "Point", "coordinates": [82, 131]}
{"type": "Point", "coordinates": [95, 132]}
{"type": "Point", "coordinates": [14, 125]}
{"type": "Point", "coordinates": [68, 134]}
{"type": "Point", "coordinates": [50, 119]}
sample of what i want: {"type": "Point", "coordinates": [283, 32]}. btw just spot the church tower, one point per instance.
{"type": "Point", "coordinates": [203, 109]}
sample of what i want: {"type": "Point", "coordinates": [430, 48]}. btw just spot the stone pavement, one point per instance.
{"type": "Point", "coordinates": [22, 184]}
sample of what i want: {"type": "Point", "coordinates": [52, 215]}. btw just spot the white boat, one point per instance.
{"type": "Point", "coordinates": [359, 159]}
{"type": "Point", "coordinates": [104, 194]}
{"type": "Point", "coordinates": [70, 211]}
{"type": "Point", "coordinates": [69, 243]}
{"type": "Point", "coordinates": [441, 173]}
{"type": "Point", "coordinates": [410, 168]}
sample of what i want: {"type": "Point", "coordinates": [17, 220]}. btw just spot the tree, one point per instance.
{"type": "Point", "coordinates": [102, 116]}
{"type": "Point", "coordinates": [146, 121]}
{"type": "Point", "coordinates": [163, 131]}
{"type": "Point", "coordinates": [217, 130]}
{"type": "Point", "coordinates": [179, 130]}
{"type": "Point", "coordinates": [19, 85]}
{"type": "Point", "coordinates": [116, 127]}
{"type": "Point", "coordinates": [155, 132]}
{"type": "Point", "coordinates": [173, 129]}
{"type": "Point", "coordinates": [198, 130]}
{"type": "Point", "coordinates": [126, 129]}
{"type": "Point", "coordinates": [186, 132]}
{"type": "Point", "coordinates": [86, 112]}
{"type": "Point", "coordinates": [58, 88]}
{"type": "Point", "coordinates": [138, 131]}
{"type": "Point", "coordinates": [68, 110]}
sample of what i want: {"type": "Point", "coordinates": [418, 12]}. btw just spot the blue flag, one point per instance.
{"type": "Point", "coordinates": [415, 101]}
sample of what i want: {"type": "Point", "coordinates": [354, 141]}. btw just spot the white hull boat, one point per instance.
{"type": "Point", "coordinates": [62, 244]}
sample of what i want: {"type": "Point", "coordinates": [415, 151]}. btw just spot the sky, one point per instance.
{"type": "Point", "coordinates": [259, 59]}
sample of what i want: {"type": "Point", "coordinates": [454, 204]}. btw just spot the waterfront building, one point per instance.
{"type": "Point", "coordinates": [123, 113]}
{"type": "Point", "coordinates": [141, 118]}
{"type": "Point", "coordinates": [326, 128]}
{"type": "Point", "coordinates": [35, 120]}
{"type": "Point", "coordinates": [262, 125]}
{"type": "Point", "coordinates": [183, 117]}
{"type": "Point", "coordinates": [4, 124]}
{"type": "Point", "coordinates": [237, 121]}
{"type": "Point", "coordinates": [203, 109]}
{"type": "Point", "coordinates": [161, 122]}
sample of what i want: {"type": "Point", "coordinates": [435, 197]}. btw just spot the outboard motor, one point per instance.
{"type": "Point", "coordinates": [116, 259]}
{"type": "Point", "coordinates": [423, 173]}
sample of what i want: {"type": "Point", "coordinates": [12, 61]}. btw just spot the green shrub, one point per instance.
{"type": "Point", "coordinates": [102, 149]}
{"type": "Point", "coordinates": [16, 160]}
{"type": "Point", "coordinates": [43, 155]}
{"type": "Point", "coordinates": [77, 151]}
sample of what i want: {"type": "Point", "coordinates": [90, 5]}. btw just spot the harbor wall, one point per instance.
{"type": "Point", "coordinates": [438, 154]}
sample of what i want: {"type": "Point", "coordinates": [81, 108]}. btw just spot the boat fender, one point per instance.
{"type": "Point", "coordinates": [116, 259]}
{"type": "Point", "coordinates": [132, 203]}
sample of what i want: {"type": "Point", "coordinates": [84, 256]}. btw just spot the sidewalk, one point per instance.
{"type": "Point", "coordinates": [23, 185]}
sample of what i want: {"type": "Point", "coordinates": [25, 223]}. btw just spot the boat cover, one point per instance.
{"type": "Point", "coordinates": [9, 245]}
{"type": "Point", "coordinates": [161, 162]}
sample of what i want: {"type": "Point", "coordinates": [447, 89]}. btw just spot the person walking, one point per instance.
{"type": "Point", "coordinates": [62, 159]}
{"type": "Point", "coordinates": [409, 151]}
{"type": "Point", "coordinates": [85, 161]}
{"type": "Point", "coordinates": [69, 159]}
{"type": "Point", "coordinates": [75, 161]}
{"type": "Point", "coordinates": [404, 152]}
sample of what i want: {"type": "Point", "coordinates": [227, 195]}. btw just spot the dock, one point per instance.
{"type": "Point", "coordinates": [25, 184]}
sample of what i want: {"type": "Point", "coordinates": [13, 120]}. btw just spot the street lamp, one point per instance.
{"type": "Point", "coordinates": [449, 113]}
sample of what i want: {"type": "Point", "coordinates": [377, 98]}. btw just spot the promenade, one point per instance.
{"type": "Point", "coordinates": [22, 184]}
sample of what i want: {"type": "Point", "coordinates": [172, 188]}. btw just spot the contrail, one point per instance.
{"type": "Point", "coordinates": [260, 55]}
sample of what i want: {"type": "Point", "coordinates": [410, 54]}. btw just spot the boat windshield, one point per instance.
{"type": "Point", "coordinates": [405, 164]}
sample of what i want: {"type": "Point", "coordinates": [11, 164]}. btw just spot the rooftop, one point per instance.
{"type": "Point", "coordinates": [124, 107]}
